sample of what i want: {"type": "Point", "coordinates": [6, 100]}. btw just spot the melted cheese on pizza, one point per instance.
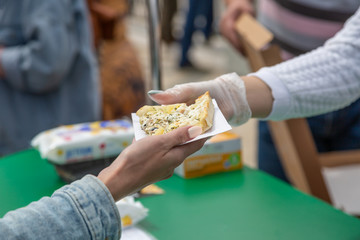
{"type": "Point", "coordinates": [156, 120]}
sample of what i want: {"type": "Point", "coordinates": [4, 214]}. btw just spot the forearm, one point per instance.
{"type": "Point", "coordinates": [259, 96]}
{"type": "Point", "coordinates": [46, 66]}
{"type": "Point", "coordinates": [321, 81]}
{"type": "Point", "coordinates": [82, 210]}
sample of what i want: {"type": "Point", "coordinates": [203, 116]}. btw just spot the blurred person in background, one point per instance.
{"type": "Point", "coordinates": [122, 82]}
{"type": "Point", "coordinates": [300, 26]}
{"type": "Point", "coordinates": [48, 72]}
{"type": "Point", "coordinates": [199, 17]}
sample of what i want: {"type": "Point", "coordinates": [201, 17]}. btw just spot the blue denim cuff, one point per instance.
{"type": "Point", "coordinates": [10, 64]}
{"type": "Point", "coordinates": [97, 207]}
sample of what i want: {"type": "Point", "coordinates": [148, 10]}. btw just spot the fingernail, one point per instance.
{"type": "Point", "coordinates": [151, 92]}
{"type": "Point", "coordinates": [194, 131]}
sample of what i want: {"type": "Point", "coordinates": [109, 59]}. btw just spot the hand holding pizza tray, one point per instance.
{"type": "Point", "coordinates": [156, 120]}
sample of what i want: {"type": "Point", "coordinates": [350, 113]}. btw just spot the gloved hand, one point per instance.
{"type": "Point", "coordinates": [228, 91]}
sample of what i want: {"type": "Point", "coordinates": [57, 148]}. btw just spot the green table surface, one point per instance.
{"type": "Point", "coordinates": [246, 204]}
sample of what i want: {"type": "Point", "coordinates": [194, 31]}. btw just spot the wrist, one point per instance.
{"type": "Point", "coordinates": [234, 102]}
{"type": "Point", "coordinates": [259, 96]}
{"type": "Point", "coordinates": [117, 187]}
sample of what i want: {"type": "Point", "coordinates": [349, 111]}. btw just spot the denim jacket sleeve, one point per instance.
{"type": "Point", "coordinates": [84, 209]}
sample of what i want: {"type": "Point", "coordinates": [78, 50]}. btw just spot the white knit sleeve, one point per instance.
{"type": "Point", "coordinates": [323, 80]}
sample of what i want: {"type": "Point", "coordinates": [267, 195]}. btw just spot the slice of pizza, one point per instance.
{"type": "Point", "coordinates": [156, 120]}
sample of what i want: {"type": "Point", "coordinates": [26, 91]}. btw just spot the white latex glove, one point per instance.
{"type": "Point", "coordinates": [228, 91]}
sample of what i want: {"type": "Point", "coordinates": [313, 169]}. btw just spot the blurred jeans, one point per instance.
{"type": "Point", "coordinates": [196, 8]}
{"type": "Point", "coordinates": [339, 130]}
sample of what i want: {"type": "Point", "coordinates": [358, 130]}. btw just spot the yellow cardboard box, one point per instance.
{"type": "Point", "coordinates": [220, 153]}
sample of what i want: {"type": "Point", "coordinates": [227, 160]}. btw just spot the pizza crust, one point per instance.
{"type": "Point", "coordinates": [156, 120]}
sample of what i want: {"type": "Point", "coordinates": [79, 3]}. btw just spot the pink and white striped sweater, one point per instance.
{"type": "Point", "coordinates": [300, 26]}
